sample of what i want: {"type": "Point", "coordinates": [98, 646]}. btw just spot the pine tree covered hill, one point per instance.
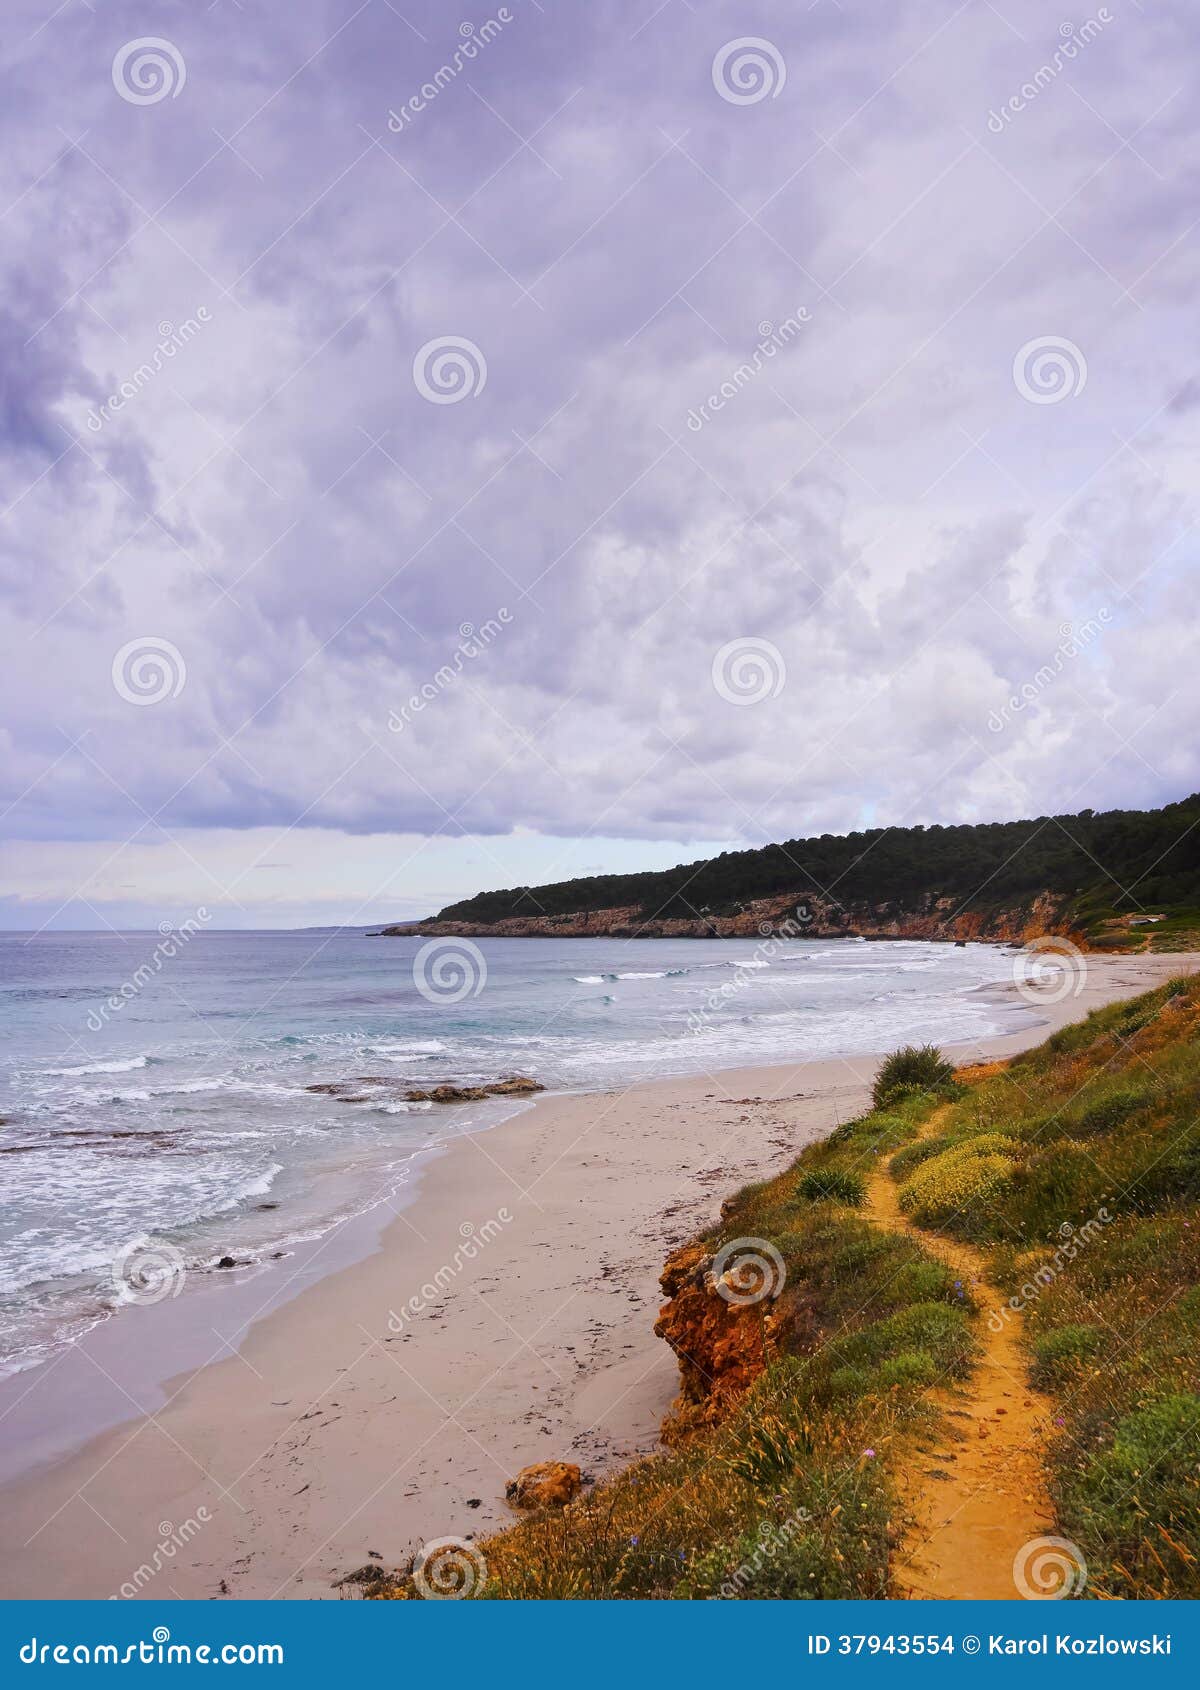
{"type": "Point", "coordinates": [1114, 864]}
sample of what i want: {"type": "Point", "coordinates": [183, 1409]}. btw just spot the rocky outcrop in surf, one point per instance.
{"type": "Point", "coordinates": [380, 1088]}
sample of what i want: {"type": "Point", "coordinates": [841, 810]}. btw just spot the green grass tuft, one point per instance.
{"type": "Point", "coordinates": [913, 1069]}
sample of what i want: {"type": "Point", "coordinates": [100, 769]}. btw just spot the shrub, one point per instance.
{"type": "Point", "coordinates": [1059, 1354]}
{"type": "Point", "coordinates": [938, 1331]}
{"type": "Point", "coordinates": [1171, 1176]}
{"type": "Point", "coordinates": [833, 1185]}
{"type": "Point", "coordinates": [912, 1068]}
{"type": "Point", "coordinates": [1154, 1444]}
{"type": "Point", "coordinates": [929, 1282]}
{"type": "Point", "coordinates": [967, 1173]}
{"type": "Point", "coordinates": [1135, 1508]}
{"type": "Point", "coordinates": [1135, 1016]}
{"type": "Point", "coordinates": [849, 1382]}
{"type": "Point", "coordinates": [833, 1545]}
{"type": "Point", "coordinates": [904, 1161]}
{"type": "Point", "coordinates": [909, 1368]}
{"type": "Point", "coordinates": [1110, 1112]}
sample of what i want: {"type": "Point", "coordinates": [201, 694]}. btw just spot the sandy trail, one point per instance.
{"type": "Point", "coordinates": [978, 1496]}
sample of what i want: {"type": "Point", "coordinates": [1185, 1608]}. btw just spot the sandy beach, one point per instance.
{"type": "Point", "coordinates": [505, 1317]}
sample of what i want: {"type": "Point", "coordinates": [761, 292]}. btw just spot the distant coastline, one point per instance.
{"type": "Point", "coordinates": [1120, 880]}
{"type": "Point", "coordinates": [934, 919]}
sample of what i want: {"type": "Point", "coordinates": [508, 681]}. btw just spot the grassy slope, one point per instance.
{"type": "Point", "coordinates": [1085, 1191]}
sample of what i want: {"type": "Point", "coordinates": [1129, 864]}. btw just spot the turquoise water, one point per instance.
{"type": "Point", "coordinates": [157, 1102]}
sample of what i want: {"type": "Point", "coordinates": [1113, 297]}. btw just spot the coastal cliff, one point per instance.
{"type": "Point", "coordinates": [928, 917]}
{"type": "Point", "coordinates": [1119, 880]}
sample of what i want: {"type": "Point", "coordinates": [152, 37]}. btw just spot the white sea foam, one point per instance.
{"type": "Point", "coordinates": [124, 1066]}
{"type": "Point", "coordinates": [396, 1050]}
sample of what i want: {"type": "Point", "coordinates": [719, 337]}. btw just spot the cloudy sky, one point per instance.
{"type": "Point", "coordinates": [363, 351]}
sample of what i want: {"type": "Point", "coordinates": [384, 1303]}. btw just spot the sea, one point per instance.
{"type": "Point", "coordinates": [156, 1116]}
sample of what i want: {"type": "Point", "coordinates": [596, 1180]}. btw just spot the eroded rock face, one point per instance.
{"type": "Point", "coordinates": [800, 914]}
{"type": "Point", "coordinates": [547, 1484]}
{"type": "Point", "coordinates": [721, 1344]}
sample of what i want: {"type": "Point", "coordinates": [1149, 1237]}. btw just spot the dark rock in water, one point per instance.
{"type": "Point", "coordinates": [960, 944]}
{"type": "Point", "coordinates": [514, 1085]}
{"type": "Point", "coordinates": [457, 1094]}
{"type": "Point", "coordinates": [265, 1206]}
{"type": "Point", "coordinates": [446, 1091]}
{"type": "Point", "coordinates": [227, 1262]}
